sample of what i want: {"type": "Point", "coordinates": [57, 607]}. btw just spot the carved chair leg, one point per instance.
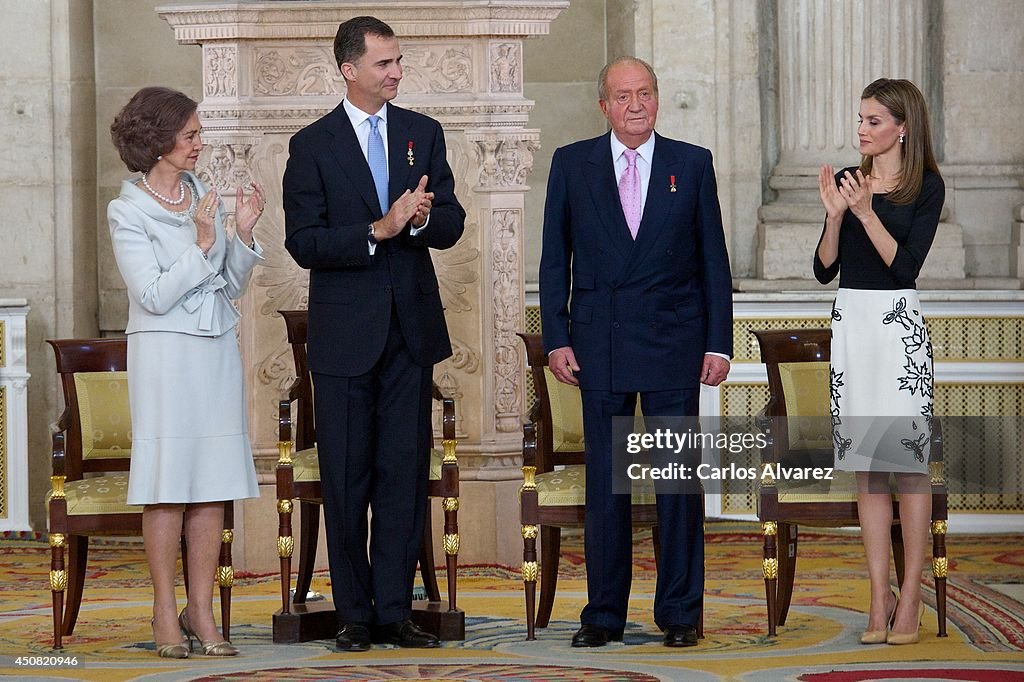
{"type": "Point", "coordinates": [427, 570]}
{"type": "Point", "coordinates": [529, 533]}
{"type": "Point", "coordinates": [225, 580]}
{"type": "Point", "coordinates": [78, 559]}
{"type": "Point", "coordinates": [58, 583]}
{"type": "Point", "coordinates": [309, 536]}
{"type": "Point", "coordinates": [285, 549]}
{"type": "Point", "coordinates": [450, 505]}
{"type": "Point", "coordinates": [940, 569]}
{"type": "Point", "coordinates": [550, 554]}
{"type": "Point", "coordinates": [787, 567]}
{"type": "Point", "coordinates": [770, 569]}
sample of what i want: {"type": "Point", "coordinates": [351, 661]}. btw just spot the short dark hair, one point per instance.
{"type": "Point", "coordinates": [350, 41]}
{"type": "Point", "coordinates": [147, 126]}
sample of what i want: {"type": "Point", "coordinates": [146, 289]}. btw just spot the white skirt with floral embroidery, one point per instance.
{"type": "Point", "coordinates": [882, 381]}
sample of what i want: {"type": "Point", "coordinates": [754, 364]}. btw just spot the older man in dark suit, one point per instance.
{"type": "Point", "coordinates": [636, 300]}
{"type": "Point", "coordinates": [367, 193]}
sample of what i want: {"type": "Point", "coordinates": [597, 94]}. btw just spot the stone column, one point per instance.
{"type": "Point", "coordinates": [269, 70]}
{"type": "Point", "coordinates": [827, 52]}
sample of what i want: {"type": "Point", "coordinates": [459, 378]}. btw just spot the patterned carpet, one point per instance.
{"type": "Point", "coordinates": [818, 644]}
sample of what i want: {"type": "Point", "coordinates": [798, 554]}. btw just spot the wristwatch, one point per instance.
{"type": "Point", "coordinates": [370, 238]}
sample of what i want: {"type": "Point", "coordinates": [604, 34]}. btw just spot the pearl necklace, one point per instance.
{"type": "Point", "coordinates": [161, 197]}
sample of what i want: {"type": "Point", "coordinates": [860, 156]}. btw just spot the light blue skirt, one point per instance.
{"type": "Point", "coordinates": [190, 440]}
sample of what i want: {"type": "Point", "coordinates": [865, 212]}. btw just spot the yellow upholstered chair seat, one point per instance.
{"type": "Point", "coordinates": [568, 486]}
{"type": "Point", "coordinates": [306, 465]}
{"type": "Point", "coordinates": [98, 495]}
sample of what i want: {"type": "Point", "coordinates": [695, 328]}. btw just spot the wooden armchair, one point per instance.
{"type": "Point", "coordinates": [92, 446]}
{"type": "Point", "coordinates": [553, 495]}
{"type": "Point", "coordinates": [298, 477]}
{"type": "Point", "coordinates": [796, 422]}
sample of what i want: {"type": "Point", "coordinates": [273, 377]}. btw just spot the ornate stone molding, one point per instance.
{"type": "Point", "coordinates": [505, 158]}
{"type": "Point", "coordinates": [220, 69]}
{"type": "Point", "coordinates": [506, 67]}
{"type": "Point", "coordinates": [507, 302]}
{"type": "Point", "coordinates": [319, 21]}
{"type": "Point", "coordinates": [228, 162]}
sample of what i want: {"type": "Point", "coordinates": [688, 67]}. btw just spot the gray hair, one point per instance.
{"type": "Point", "coordinates": [602, 80]}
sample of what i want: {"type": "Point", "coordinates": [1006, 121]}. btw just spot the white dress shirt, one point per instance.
{"type": "Point", "coordinates": [645, 155]}
{"type": "Point", "coordinates": [361, 125]}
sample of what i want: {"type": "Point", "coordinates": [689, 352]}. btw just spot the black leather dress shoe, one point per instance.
{"type": "Point", "coordinates": [680, 635]}
{"type": "Point", "coordinates": [595, 635]}
{"type": "Point", "coordinates": [406, 634]}
{"type": "Point", "coordinates": [353, 637]}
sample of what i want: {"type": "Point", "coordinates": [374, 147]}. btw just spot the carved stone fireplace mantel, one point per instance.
{"type": "Point", "coordinates": [269, 70]}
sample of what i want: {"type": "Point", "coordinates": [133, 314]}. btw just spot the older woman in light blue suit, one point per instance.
{"type": "Point", "coordinates": [190, 444]}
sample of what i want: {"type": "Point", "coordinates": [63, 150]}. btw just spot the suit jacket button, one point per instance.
{"type": "Point", "coordinates": [615, 324]}
{"type": "Point", "coordinates": [668, 252]}
{"type": "Point", "coordinates": [387, 290]}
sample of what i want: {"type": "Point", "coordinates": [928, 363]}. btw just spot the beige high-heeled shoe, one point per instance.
{"type": "Point", "coordinates": [176, 650]}
{"type": "Point", "coordinates": [221, 648]}
{"type": "Point", "coordinates": [908, 637]}
{"type": "Point", "coordinates": [881, 636]}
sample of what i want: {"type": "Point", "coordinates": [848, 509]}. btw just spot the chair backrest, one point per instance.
{"type": "Point", "coordinates": [296, 323]}
{"type": "Point", "coordinates": [559, 411]}
{"type": "Point", "coordinates": [801, 353]}
{"type": "Point", "coordinates": [797, 363]}
{"type": "Point", "coordinates": [94, 380]}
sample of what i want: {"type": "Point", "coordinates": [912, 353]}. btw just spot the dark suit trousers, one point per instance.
{"type": "Point", "coordinates": [373, 437]}
{"type": "Point", "coordinates": [608, 530]}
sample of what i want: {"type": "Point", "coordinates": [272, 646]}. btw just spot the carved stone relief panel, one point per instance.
{"type": "Point", "coordinates": [506, 299]}
{"type": "Point", "coordinates": [506, 159]}
{"type": "Point", "coordinates": [220, 70]}
{"type": "Point", "coordinates": [308, 71]}
{"type": "Point", "coordinates": [458, 268]}
{"type": "Point", "coordinates": [437, 68]}
{"type": "Point", "coordinates": [506, 67]}
{"type": "Point", "coordinates": [229, 163]}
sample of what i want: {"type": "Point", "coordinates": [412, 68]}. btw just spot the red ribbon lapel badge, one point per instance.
{"type": "Point", "coordinates": [671, 183]}
{"type": "Point", "coordinates": [409, 154]}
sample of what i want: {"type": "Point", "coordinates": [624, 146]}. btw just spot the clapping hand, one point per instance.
{"type": "Point", "coordinates": [206, 212]}
{"type": "Point", "coordinates": [835, 202]}
{"type": "Point", "coordinates": [413, 206]}
{"type": "Point", "coordinates": [857, 192]}
{"type": "Point", "coordinates": [247, 211]}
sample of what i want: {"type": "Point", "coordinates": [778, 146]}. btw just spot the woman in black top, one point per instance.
{"type": "Point", "coordinates": [880, 222]}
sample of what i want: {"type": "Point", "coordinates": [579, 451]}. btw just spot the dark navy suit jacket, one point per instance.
{"type": "Point", "coordinates": [329, 203]}
{"type": "Point", "coordinates": [639, 315]}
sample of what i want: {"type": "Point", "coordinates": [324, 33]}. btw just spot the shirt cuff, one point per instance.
{"type": "Point", "coordinates": [416, 230]}
{"type": "Point", "coordinates": [721, 355]}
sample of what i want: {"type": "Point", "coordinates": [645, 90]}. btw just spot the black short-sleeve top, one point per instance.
{"type": "Point", "coordinates": [913, 227]}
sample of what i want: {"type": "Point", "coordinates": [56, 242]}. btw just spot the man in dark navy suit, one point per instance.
{"type": "Point", "coordinates": [636, 300]}
{"type": "Point", "coordinates": [367, 193]}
